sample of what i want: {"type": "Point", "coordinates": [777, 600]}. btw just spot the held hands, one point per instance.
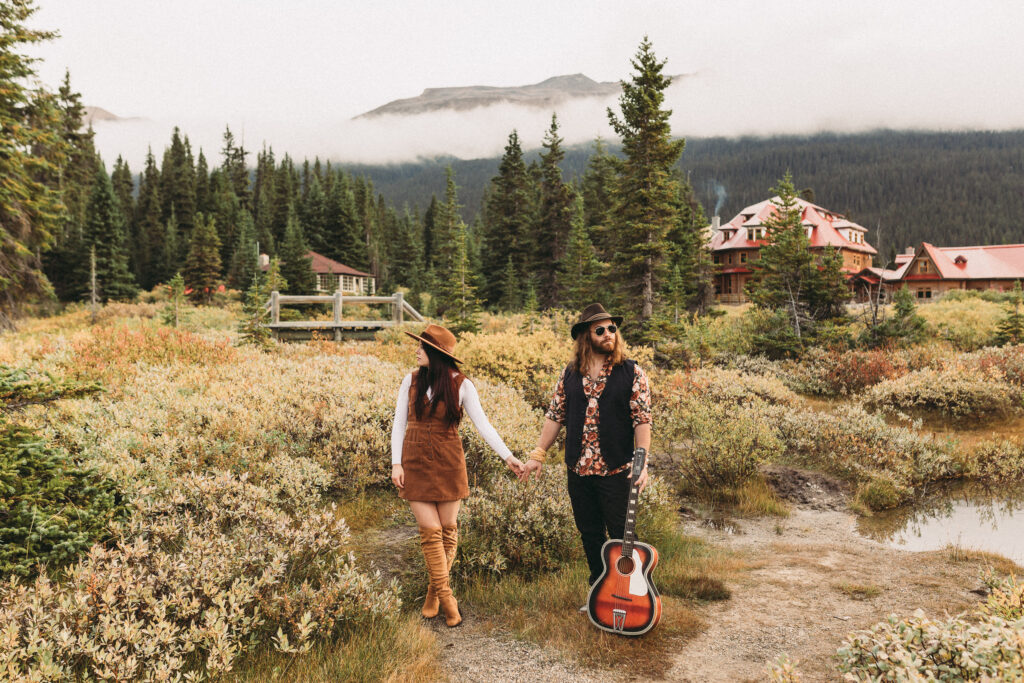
{"type": "Point", "coordinates": [398, 476]}
{"type": "Point", "coordinates": [531, 466]}
{"type": "Point", "coordinates": [514, 464]}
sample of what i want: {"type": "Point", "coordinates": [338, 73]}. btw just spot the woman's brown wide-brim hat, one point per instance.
{"type": "Point", "coordinates": [439, 338]}
{"type": "Point", "coordinates": [592, 314]}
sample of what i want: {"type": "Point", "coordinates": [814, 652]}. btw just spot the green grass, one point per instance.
{"type": "Point", "coordinates": [858, 591]}
{"type": "Point", "coordinates": [399, 649]}
{"type": "Point", "coordinates": [544, 609]}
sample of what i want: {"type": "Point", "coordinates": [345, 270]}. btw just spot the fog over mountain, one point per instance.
{"type": "Point", "coordinates": [474, 122]}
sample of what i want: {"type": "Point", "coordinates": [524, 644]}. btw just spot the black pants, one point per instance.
{"type": "Point", "coordinates": [598, 506]}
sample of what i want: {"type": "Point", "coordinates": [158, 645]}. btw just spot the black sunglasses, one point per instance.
{"type": "Point", "coordinates": [599, 331]}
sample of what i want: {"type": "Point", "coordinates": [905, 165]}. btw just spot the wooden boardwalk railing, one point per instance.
{"type": "Point", "coordinates": [340, 328]}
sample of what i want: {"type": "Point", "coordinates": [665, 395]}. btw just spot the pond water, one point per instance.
{"type": "Point", "coordinates": [970, 516]}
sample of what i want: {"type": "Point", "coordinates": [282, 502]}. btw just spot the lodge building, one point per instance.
{"type": "Point", "coordinates": [332, 276]}
{"type": "Point", "coordinates": [736, 244]}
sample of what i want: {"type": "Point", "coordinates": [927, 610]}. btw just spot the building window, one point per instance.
{"type": "Point", "coordinates": [743, 257]}
{"type": "Point", "coordinates": [717, 258]}
{"type": "Point", "coordinates": [326, 282]}
{"type": "Point", "coordinates": [924, 294]}
{"type": "Point", "coordinates": [730, 259]}
{"type": "Point", "coordinates": [347, 284]}
{"type": "Point", "coordinates": [923, 267]}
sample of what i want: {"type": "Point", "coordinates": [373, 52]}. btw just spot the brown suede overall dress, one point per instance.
{"type": "Point", "coordinates": [432, 457]}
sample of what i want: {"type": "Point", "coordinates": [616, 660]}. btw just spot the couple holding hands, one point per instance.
{"type": "Point", "coordinates": [602, 399]}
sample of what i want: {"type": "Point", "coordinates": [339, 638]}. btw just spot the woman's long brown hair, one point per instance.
{"type": "Point", "coordinates": [437, 376]}
{"type": "Point", "coordinates": [584, 351]}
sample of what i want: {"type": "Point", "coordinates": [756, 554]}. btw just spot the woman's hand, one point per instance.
{"type": "Point", "coordinates": [530, 466]}
{"type": "Point", "coordinates": [514, 464]}
{"type": "Point", "coordinates": [398, 476]}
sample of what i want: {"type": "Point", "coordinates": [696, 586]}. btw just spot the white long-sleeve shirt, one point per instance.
{"type": "Point", "coordinates": [469, 399]}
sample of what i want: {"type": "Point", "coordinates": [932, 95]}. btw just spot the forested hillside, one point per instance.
{"type": "Point", "coordinates": [946, 188]}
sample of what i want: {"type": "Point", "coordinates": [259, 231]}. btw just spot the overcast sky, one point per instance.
{"type": "Point", "coordinates": [292, 73]}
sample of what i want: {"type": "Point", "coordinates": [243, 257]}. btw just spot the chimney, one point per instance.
{"type": "Point", "coordinates": [910, 251]}
{"type": "Point", "coordinates": [264, 260]}
{"type": "Point", "coordinates": [716, 223]}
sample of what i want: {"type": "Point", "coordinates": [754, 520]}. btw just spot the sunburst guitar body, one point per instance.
{"type": "Point", "coordinates": [624, 600]}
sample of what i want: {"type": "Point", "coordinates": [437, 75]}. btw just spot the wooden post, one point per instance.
{"type": "Point", "coordinates": [337, 314]}
{"type": "Point", "coordinates": [275, 307]}
{"type": "Point", "coordinates": [398, 308]}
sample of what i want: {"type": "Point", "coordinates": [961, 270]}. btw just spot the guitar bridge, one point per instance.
{"type": "Point", "coordinates": [618, 619]}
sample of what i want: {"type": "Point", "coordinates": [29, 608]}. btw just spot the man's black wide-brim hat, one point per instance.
{"type": "Point", "coordinates": [592, 314]}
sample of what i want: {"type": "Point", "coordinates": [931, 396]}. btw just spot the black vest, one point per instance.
{"type": "Point", "coordinates": [615, 424]}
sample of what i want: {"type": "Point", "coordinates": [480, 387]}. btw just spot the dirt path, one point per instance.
{"type": "Point", "coordinates": [814, 580]}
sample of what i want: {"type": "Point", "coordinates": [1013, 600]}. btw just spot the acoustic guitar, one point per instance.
{"type": "Point", "coordinates": [624, 600]}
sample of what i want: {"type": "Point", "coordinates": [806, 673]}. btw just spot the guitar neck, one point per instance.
{"type": "Point", "coordinates": [628, 534]}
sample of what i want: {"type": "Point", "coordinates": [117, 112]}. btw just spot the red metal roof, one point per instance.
{"type": "Point", "coordinates": [994, 262]}
{"type": "Point", "coordinates": [824, 225]}
{"type": "Point", "coordinates": [322, 266]}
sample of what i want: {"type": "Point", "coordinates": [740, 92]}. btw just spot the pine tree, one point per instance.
{"type": "Point", "coordinates": [429, 219]}
{"type": "Point", "coordinates": [33, 152]}
{"type": "Point", "coordinates": [177, 190]}
{"type": "Point", "coordinates": [124, 188]}
{"type": "Point", "coordinates": [228, 214]}
{"type": "Point", "coordinates": [554, 218]}
{"type": "Point", "coordinates": [66, 264]}
{"type": "Point", "coordinates": [202, 184]}
{"type": "Point", "coordinates": [598, 190]}
{"type": "Point", "coordinates": [313, 216]}
{"type": "Point", "coordinates": [150, 228]}
{"type": "Point", "coordinates": [171, 245]}
{"type": "Point", "coordinates": [245, 260]}
{"type": "Point", "coordinates": [234, 168]}
{"type": "Point", "coordinates": [202, 267]}
{"type": "Point", "coordinates": [175, 301]}
{"type": "Point", "coordinates": [455, 293]}
{"type": "Point", "coordinates": [579, 269]}
{"type": "Point", "coordinates": [646, 196]}
{"type": "Point", "coordinates": [507, 213]}
{"type": "Point", "coordinates": [263, 201]}
{"type": "Point", "coordinates": [296, 266]}
{"type": "Point", "coordinates": [340, 230]}
{"type": "Point", "coordinates": [105, 231]}
{"type": "Point", "coordinates": [784, 272]}
{"type": "Point", "coordinates": [1010, 329]}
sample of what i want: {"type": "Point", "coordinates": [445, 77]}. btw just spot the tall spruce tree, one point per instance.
{"type": "Point", "coordinates": [296, 266]}
{"type": "Point", "coordinates": [646, 206]}
{"type": "Point", "coordinates": [177, 190]}
{"type": "Point", "coordinates": [580, 268]}
{"type": "Point", "coordinates": [105, 232]}
{"type": "Point", "coordinates": [202, 267]}
{"type": "Point", "coordinates": [149, 227]}
{"type": "Point", "coordinates": [507, 213]}
{"type": "Point", "coordinates": [456, 295]}
{"type": "Point", "coordinates": [202, 184]}
{"type": "Point", "coordinates": [244, 257]}
{"type": "Point", "coordinates": [598, 190]}
{"type": "Point", "coordinates": [33, 153]}
{"type": "Point", "coordinates": [1010, 329]}
{"type": "Point", "coordinates": [340, 240]}
{"type": "Point", "coordinates": [233, 165]}
{"type": "Point", "coordinates": [554, 218]}
{"type": "Point", "coordinates": [785, 272]}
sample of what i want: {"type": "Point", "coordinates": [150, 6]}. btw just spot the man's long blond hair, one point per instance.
{"type": "Point", "coordinates": [584, 351]}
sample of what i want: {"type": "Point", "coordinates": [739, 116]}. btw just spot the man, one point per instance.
{"type": "Point", "coordinates": [604, 401]}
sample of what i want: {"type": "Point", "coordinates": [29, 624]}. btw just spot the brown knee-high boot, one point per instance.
{"type": "Point", "coordinates": [437, 567]}
{"type": "Point", "coordinates": [450, 540]}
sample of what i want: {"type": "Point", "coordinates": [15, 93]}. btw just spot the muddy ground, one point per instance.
{"type": "Point", "coordinates": [811, 581]}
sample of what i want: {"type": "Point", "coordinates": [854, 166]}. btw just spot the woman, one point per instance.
{"type": "Point", "coordinates": [427, 462]}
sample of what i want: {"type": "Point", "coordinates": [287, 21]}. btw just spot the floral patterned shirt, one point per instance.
{"type": "Point", "coordinates": [590, 461]}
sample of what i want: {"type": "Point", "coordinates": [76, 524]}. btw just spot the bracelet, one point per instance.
{"type": "Point", "coordinates": [538, 454]}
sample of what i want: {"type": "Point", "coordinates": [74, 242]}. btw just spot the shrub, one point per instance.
{"type": "Point", "coordinates": [732, 387]}
{"type": "Point", "coordinates": [518, 528]}
{"type": "Point", "coordinates": [713, 445]}
{"type": "Point", "coordinates": [890, 462]}
{"type": "Point", "coordinates": [196, 579]}
{"type": "Point", "coordinates": [1001, 460]}
{"type": "Point", "coordinates": [953, 393]}
{"type": "Point", "coordinates": [965, 321]}
{"type": "Point", "coordinates": [983, 646]}
{"type": "Point", "coordinates": [841, 373]}
{"type": "Point", "coordinates": [1008, 362]}
{"type": "Point", "coordinates": [51, 509]}
{"type": "Point", "coordinates": [523, 529]}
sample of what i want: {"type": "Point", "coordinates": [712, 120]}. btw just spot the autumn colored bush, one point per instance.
{"type": "Point", "coordinates": [824, 372]}
{"type": "Point", "coordinates": [197, 578]}
{"type": "Point", "coordinates": [955, 392]}
{"type": "Point", "coordinates": [985, 645]}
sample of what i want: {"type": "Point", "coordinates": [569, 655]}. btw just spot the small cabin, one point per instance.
{"type": "Point", "coordinates": [332, 276]}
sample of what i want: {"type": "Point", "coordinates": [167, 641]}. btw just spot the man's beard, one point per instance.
{"type": "Point", "coordinates": [598, 347]}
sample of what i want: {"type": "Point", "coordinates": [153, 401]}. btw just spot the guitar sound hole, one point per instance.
{"type": "Point", "coordinates": [624, 565]}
